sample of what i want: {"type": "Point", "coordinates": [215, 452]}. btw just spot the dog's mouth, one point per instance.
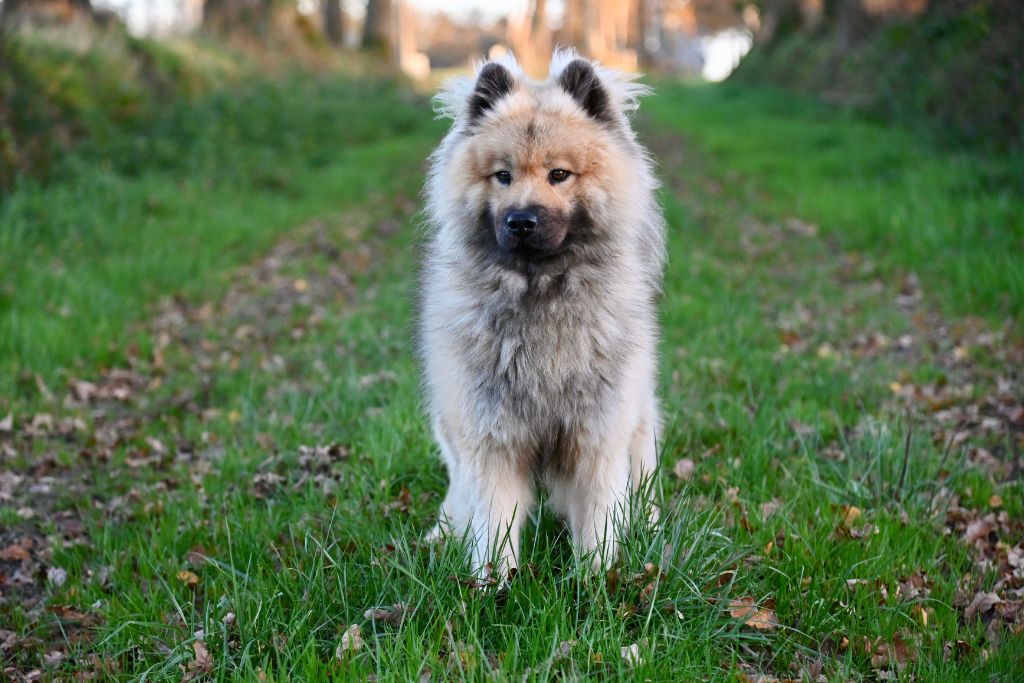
{"type": "Point", "coordinates": [549, 245]}
{"type": "Point", "coordinates": [538, 254]}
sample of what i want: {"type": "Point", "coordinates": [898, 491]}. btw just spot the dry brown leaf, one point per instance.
{"type": "Point", "coordinates": [7, 423]}
{"type": "Point", "coordinates": [562, 653]}
{"type": "Point", "coordinates": [53, 659]}
{"type": "Point", "coordinates": [851, 515]}
{"type": "Point", "coordinates": [393, 615]}
{"type": "Point", "coordinates": [14, 553]}
{"type": "Point", "coordinates": [684, 469]}
{"type": "Point", "coordinates": [197, 556]}
{"type": "Point", "coordinates": [761, 618]}
{"type": "Point", "coordinates": [921, 614]}
{"type": "Point", "coordinates": [981, 603]}
{"type": "Point", "coordinates": [203, 661]}
{"type": "Point", "coordinates": [978, 529]}
{"type": "Point", "coordinates": [891, 655]}
{"type": "Point", "coordinates": [769, 508]}
{"type": "Point", "coordinates": [351, 641]}
{"type": "Point", "coordinates": [187, 577]}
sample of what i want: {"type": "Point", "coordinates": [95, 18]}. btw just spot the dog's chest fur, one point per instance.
{"type": "Point", "coordinates": [544, 354]}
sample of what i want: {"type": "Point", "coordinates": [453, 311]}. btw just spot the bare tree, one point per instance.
{"type": "Point", "coordinates": [377, 27]}
{"type": "Point", "coordinates": [779, 18]}
{"type": "Point", "coordinates": [234, 15]}
{"type": "Point", "coordinates": [333, 24]}
{"type": "Point", "coordinates": [852, 23]}
{"type": "Point", "coordinates": [10, 9]}
{"type": "Point", "coordinates": [574, 24]}
{"type": "Point", "coordinates": [639, 20]}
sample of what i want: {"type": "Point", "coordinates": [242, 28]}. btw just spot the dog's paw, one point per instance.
{"type": "Point", "coordinates": [436, 534]}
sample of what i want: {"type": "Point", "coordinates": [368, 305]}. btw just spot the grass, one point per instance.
{"type": "Point", "coordinates": [950, 217]}
{"type": "Point", "coordinates": [172, 209]}
{"type": "Point", "coordinates": [213, 524]}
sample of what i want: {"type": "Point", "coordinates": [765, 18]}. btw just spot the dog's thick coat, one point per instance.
{"type": "Point", "coordinates": [537, 327]}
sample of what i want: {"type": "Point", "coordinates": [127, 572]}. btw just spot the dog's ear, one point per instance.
{"type": "Point", "coordinates": [581, 81]}
{"type": "Point", "coordinates": [493, 83]}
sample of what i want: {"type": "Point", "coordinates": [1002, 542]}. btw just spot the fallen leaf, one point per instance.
{"type": "Point", "coordinates": [187, 577]}
{"type": "Point", "coordinates": [631, 655]}
{"type": "Point", "coordinates": [197, 556]}
{"type": "Point", "coordinates": [769, 508]}
{"type": "Point", "coordinates": [351, 640]}
{"type": "Point", "coordinates": [981, 603]}
{"type": "Point", "coordinates": [922, 614]}
{"type": "Point", "coordinates": [203, 661]}
{"type": "Point", "coordinates": [684, 469]}
{"type": "Point", "coordinates": [56, 576]}
{"type": "Point", "coordinates": [7, 424]}
{"type": "Point", "coordinates": [978, 529]}
{"type": "Point", "coordinates": [393, 615]}
{"type": "Point", "coordinates": [895, 654]}
{"type": "Point", "coordinates": [761, 618]}
{"type": "Point", "coordinates": [53, 659]}
{"type": "Point", "coordinates": [14, 553]}
{"type": "Point", "coordinates": [69, 614]}
{"type": "Point", "coordinates": [851, 514]}
{"type": "Point", "coordinates": [564, 648]}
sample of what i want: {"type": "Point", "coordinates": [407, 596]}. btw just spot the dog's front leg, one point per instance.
{"type": "Point", "coordinates": [596, 498]}
{"type": "Point", "coordinates": [503, 496]}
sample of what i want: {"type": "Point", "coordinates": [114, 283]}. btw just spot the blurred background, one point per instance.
{"type": "Point", "coordinates": [952, 65]}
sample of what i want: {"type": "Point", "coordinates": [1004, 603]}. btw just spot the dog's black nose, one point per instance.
{"type": "Point", "coordinates": [521, 222]}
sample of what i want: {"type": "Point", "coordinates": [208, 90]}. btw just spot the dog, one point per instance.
{"type": "Point", "coordinates": [537, 329]}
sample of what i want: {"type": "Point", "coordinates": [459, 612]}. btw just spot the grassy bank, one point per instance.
{"type": "Point", "coordinates": [139, 213]}
{"type": "Point", "coordinates": [906, 207]}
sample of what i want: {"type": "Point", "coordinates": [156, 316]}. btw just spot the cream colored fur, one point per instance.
{"type": "Point", "coordinates": [512, 358]}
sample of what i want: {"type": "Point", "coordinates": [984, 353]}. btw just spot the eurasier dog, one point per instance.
{"type": "Point", "coordinates": [538, 329]}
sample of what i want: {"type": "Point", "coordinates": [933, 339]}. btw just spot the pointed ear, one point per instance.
{"type": "Point", "coordinates": [493, 83]}
{"type": "Point", "coordinates": [580, 80]}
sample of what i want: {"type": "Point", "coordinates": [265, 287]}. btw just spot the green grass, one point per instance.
{"type": "Point", "coordinates": [952, 218]}
{"type": "Point", "coordinates": [171, 209]}
{"type": "Point", "coordinates": [761, 376]}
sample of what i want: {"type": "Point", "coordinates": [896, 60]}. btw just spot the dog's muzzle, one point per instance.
{"type": "Point", "coordinates": [530, 231]}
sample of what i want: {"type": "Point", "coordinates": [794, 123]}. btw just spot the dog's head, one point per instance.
{"type": "Point", "coordinates": [538, 167]}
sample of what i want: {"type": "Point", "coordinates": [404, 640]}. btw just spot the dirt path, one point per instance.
{"type": "Point", "coordinates": [108, 447]}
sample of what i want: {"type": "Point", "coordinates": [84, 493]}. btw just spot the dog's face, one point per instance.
{"type": "Point", "coordinates": [532, 168]}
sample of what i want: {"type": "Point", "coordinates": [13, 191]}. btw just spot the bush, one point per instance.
{"type": "Point", "coordinates": [954, 70]}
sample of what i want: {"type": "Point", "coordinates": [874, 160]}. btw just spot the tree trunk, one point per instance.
{"type": "Point", "coordinates": [852, 24]}
{"type": "Point", "coordinates": [573, 24]}
{"type": "Point", "coordinates": [377, 28]}
{"type": "Point", "coordinates": [779, 18]}
{"type": "Point", "coordinates": [235, 15]}
{"type": "Point", "coordinates": [45, 8]}
{"type": "Point", "coordinates": [333, 26]}
{"type": "Point", "coordinates": [637, 36]}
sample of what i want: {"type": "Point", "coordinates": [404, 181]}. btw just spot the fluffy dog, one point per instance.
{"type": "Point", "coordinates": [537, 327]}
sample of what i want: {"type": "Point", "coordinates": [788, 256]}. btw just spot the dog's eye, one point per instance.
{"type": "Point", "coordinates": [504, 177]}
{"type": "Point", "coordinates": [558, 175]}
